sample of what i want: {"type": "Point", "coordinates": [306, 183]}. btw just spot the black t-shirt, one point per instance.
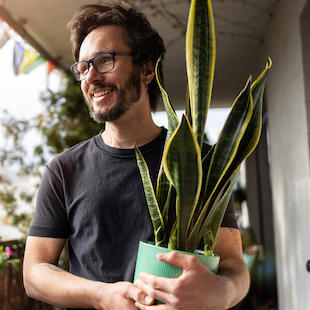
{"type": "Point", "coordinates": [92, 195]}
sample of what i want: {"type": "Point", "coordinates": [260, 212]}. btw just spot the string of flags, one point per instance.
{"type": "Point", "coordinates": [24, 59]}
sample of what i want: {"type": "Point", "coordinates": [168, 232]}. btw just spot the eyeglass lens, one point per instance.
{"type": "Point", "coordinates": [102, 63]}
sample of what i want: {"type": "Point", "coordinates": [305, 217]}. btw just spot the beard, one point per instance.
{"type": "Point", "coordinates": [126, 96]}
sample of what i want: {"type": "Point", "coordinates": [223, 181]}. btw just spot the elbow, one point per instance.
{"type": "Point", "coordinates": [27, 286]}
{"type": "Point", "coordinates": [29, 290]}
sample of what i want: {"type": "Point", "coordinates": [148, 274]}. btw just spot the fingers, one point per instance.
{"type": "Point", "coordinates": [172, 291]}
{"type": "Point", "coordinates": [154, 293]}
{"type": "Point", "coordinates": [138, 294]}
{"type": "Point", "coordinates": [159, 283]}
{"type": "Point", "coordinates": [178, 259]}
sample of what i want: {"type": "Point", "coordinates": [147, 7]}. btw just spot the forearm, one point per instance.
{"type": "Point", "coordinates": [53, 285]}
{"type": "Point", "coordinates": [237, 278]}
{"type": "Point", "coordinates": [232, 269]}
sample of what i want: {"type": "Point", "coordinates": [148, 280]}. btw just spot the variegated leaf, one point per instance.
{"type": "Point", "coordinates": [200, 62]}
{"type": "Point", "coordinates": [182, 163]}
{"type": "Point", "coordinates": [156, 217]}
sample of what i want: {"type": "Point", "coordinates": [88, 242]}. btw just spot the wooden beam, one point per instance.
{"type": "Point", "coordinates": [18, 27]}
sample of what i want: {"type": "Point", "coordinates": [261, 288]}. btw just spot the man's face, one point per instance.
{"type": "Point", "coordinates": [109, 95]}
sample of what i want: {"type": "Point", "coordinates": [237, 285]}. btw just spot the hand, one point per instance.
{"type": "Point", "coordinates": [197, 288]}
{"type": "Point", "coordinates": [122, 295]}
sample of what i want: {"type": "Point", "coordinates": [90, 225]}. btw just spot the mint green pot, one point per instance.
{"type": "Point", "coordinates": [148, 262]}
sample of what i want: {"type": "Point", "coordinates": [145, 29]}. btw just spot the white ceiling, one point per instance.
{"type": "Point", "coordinates": [240, 29]}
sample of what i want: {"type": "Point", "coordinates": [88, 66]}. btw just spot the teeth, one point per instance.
{"type": "Point", "coordinates": [102, 92]}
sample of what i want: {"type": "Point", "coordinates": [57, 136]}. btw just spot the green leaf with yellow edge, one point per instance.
{"type": "Point", "coordinates": [215, 209]}
{"type": "Point", "coordinates": [182, 164]}
{"type": "Point", "coordinates": [172, 244]}
{"type": "Point", "coordinates": [229, 139]}
{"type": "Point", "coordinates": [188, 112]}
{"type": "Point", "coordinates": [223, 154]}
{"type": "Point", "coordinates": [163, 186]}
{"type": "Point", "coordinates": [205, 168]}
{"type": "Point", "coordinates": [156, 217]}
{"type": "Point", "coordinates": [209, 223]}
{"type": "Point", "coordinates": [165, 210]}
{"type": "Point", "coordinates": [173, 120]}
{"type": "Point", "coordinates": [252, 134]}
{"type": "Point", "coordinates": [208, 240]}
{"type": "Point", "coordinates": [200, 62]}
{"type": "Point", "coordinates": [216, 214]}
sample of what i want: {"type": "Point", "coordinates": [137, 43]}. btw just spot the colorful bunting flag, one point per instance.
{"type": "Point", "coordinates": [38, 61]}
{"type": "Point", "coordinates": [19, 53]}
{"type": "Point", "coordinates": [24, 61]}
{"type": "Point", "coordinates": [28, 59]}
{"type": "Point", "coordinates": [4, 33]}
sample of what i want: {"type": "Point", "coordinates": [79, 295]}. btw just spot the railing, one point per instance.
{"type": "Point", "coordinates": [12, 292]}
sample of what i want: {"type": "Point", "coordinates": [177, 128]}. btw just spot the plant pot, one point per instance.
{"type": "Point", "coordinates": [148, 262]}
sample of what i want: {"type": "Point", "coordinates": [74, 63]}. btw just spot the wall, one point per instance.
{"type": "Point", "coordinates": [289, 154]}
{"type": "Point", "coordinates": [305, 27]}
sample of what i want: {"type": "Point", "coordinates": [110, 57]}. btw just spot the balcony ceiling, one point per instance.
{"type": "Point", "coordinates": [241, 26]}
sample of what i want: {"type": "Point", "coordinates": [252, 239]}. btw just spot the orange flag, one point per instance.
{"type": "Point", "coordinates": [51, 66]}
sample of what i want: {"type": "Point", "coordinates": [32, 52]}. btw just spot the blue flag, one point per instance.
{"type": "Point", "coordinates": [19, 53]}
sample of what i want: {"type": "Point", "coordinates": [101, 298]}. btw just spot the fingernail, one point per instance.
{"type": "Point", "coordinates": [148, 299]}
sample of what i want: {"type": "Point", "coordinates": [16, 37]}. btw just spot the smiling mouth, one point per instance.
{"type": "Point", "coordinates": [101, 93]}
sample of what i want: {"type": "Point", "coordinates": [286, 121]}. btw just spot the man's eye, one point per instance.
{"type": "Point", "coordinates": [83, 67]}
{"type": "Point", "coordinates": [104, 59]}
{"type": "Point", "coordinates": [108, 59]}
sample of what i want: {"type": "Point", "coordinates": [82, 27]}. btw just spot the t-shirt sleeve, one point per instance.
{"type": "Point", "coordinates": [50, 218]}
{"type": "Point", "coordinates": [229, 219]}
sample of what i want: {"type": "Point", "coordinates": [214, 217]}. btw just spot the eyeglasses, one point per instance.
{"type": "Point", "coordinates": [102, 63]}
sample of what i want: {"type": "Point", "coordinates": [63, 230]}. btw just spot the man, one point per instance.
{"type": "Point", "coordinates": [92, 194]}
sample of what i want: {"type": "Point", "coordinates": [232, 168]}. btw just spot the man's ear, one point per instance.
{"type": "Point", "coordinates": [148, 73]}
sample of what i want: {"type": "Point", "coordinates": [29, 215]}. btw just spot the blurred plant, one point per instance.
{"type": "Point", "coordinates": [239, 194]}
{"type": "Point", "coordinates": [10, 197]}
{"type": "Point", "coordinates": [6, 259]}
{"type": "Point", "coordinates": [64, 122]}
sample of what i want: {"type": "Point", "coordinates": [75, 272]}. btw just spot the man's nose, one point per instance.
{"type": "Point", "coordinates": [93, 75]}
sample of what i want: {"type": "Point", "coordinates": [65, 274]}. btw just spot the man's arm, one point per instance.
{"type": "Point", "coordinates": [45, 281]}
{"type": "Point", "coordinates": [198, 288]}
{"type": "Point", "coordinates": [232, 265]}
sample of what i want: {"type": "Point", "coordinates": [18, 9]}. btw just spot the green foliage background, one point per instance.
{"type": "Point", "coordinates": [64, 122]}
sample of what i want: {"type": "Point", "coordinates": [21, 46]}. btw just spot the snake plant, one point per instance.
{"type": "Point", "coordinates": [202, 184]}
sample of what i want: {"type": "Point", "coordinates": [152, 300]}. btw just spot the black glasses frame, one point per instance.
{"type": "Point", "coordinates": [91, 61]}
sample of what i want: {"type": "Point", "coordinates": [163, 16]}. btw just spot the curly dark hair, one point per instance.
{"type": "Point", "coordinates": [144, 41]}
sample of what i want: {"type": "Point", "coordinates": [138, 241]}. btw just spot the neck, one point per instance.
{"type": "Point", "coordinates": [132, 129]}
